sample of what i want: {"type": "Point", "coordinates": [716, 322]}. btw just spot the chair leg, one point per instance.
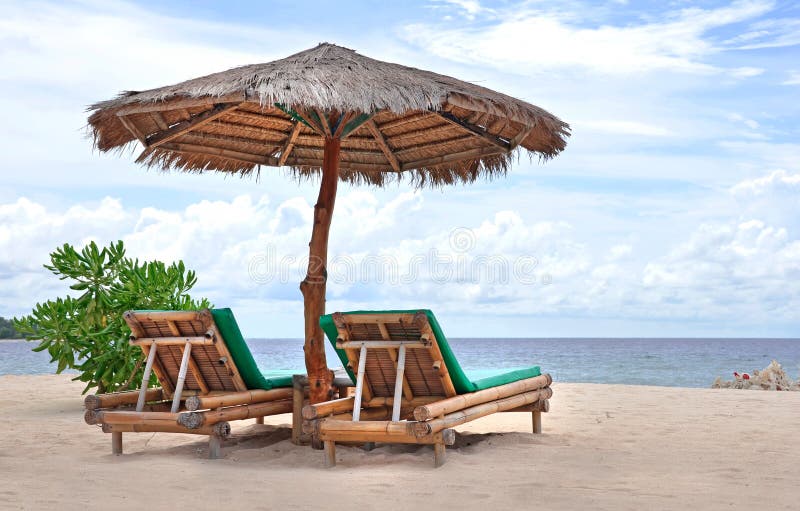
{"type": "Point", "coordinates": [214, 447]}
{"type": "Point", "coordinates": [116, 443]}
{"type": "Point", "coordinates": [259, 420]}
{"type": "Point", "coordinates": [330, 454]}
{"type": "Point", "coordinates": [537, 421]}
{"type": "Point", "coordinates": [438, 454]}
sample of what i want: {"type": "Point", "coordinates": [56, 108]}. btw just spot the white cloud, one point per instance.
{"type": "Point", "coordinates": [622, 127]}
{"type": "Point", "coordinates": [770, 33]}
{"type": "Point", "coordinates": [249, 252]}
{"type": "Point", "coordinates": [793, 79]}
{"type": "Point", "coordinates": [620, 252]}
{"type": "Point", "coordinates": [645, 158]}
{"type": "Point", "coordinates": [469, 8]}
{"type": "Point", "coordinates": [536, 39]}
{"type": "Point", "coordinates": [750, 123]}
{"type": "Point", "coordinates": [778, 181]}
{"type": "Point", "coordinates": [745, 267]}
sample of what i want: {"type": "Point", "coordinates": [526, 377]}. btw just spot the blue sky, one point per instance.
{"type": "Point", "coordinates": [673, 211]}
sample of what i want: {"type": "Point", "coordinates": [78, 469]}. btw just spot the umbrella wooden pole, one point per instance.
{"type": "Point", "coordinates": [320, 378]}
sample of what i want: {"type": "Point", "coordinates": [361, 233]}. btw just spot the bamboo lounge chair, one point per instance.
{"type": "Point", "coordinates": [203, 363]}
{"type": "Point", "coordinates": [409, 386]}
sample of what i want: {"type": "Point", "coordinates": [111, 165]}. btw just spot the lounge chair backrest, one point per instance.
{"type": "Point", "coordinates": [210, 364]}
{"type": "Point", "coordinates": [425, 371]}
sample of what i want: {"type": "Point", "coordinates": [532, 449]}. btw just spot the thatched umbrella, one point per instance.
{"type": "Point", "coordinates": [332, 111]}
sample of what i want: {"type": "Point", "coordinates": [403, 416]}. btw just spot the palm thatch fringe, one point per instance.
{"type": "Point", "coordinates": [436, 129]}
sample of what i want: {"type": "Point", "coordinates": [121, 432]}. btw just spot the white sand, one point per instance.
{"type": "Point", "coordinates": [604, 447]}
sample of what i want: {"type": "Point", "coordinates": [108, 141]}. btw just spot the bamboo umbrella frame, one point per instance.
{"type": "Point", "coordinates": [331, 112]}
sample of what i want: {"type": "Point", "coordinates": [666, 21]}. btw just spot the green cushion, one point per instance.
{"type": "Point", "coordinates": [461, 383]}
{"type": "Point", "coordinates": [242, 357]}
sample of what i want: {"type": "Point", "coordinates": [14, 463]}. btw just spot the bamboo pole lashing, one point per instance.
{"type": "Point", "coordinates": [462, 401]}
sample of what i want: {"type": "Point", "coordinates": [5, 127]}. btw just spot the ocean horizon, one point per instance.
{"type": "Point", "coordinates": [670, 362]}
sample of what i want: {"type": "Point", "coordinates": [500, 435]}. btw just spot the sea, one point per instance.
{"type": "Point", "coordinates": [661, 362]}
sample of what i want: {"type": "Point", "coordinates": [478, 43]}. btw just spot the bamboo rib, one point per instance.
{"type": "Point", "coordinates": [195, 403]}
{"type": "Point", "coordinates": [468, 414]}
{"type": "Point", "coordinates": [462, 401]}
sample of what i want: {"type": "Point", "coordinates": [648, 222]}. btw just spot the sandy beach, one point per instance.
{"type": "Point", "coordinates": [603, 447]}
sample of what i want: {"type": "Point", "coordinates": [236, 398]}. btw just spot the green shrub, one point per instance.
{"type": "Point", "coordinates": [88, 333]}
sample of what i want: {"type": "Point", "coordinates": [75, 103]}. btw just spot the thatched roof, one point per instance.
{"type": "Point", "coordinates": [396, 120]}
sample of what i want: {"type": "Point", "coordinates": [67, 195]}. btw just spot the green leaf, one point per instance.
{"type": "Point", "coordinates": [88, 333]}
